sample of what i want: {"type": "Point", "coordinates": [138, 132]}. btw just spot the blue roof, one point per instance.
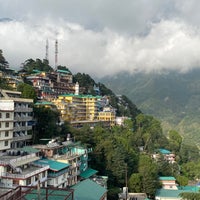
{"type": "Point", "coordinates": [54, 165]}
{"type": "Point", "coordinates": [88, 190]}
{"type": "Point", "coordinates": [164, 151]}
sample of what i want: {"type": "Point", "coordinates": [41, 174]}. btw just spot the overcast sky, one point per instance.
{"type": "Point", "coordinates": [103, 37]}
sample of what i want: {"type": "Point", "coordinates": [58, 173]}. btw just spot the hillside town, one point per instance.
{"type": "Point", "coordinates": [55, 165]}
{"type": "Point", "coordinates": [58, 168]}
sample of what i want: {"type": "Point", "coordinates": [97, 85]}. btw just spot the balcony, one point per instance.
{"type": "Point", "coordinates": [24, 176]}
{"type": "Point", "coordinates": [22, 128]}
{"type": "Point", "coordinates": [22, 109]}
{"type": "Point", "coordinates": [23, 160]}
{"type": "Point", "coordinates": [23, 118]}
{"type": "Point", "coordinates": [19, 138]}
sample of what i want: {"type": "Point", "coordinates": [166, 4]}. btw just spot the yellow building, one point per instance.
{"type": "Point", "coordinates": [77, 107]}
{"type": "Point", "coordinates": [108, 114]}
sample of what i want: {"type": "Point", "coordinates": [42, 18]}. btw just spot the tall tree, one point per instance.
{"type": "Point", "coordinates": [148, 171]}
{"type": "Point", "coordinates": [27, 91]}
{"type": "Point", "coordinates": [3, 62]}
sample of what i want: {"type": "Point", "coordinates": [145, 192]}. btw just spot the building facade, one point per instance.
{"type": "Point", "coordinates": [15, 117]}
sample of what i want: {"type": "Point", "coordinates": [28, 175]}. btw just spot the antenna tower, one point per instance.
{"type": "Point", "coordinates": [56, 54]}
{"type": "Point", "coordinates": [47, 50]}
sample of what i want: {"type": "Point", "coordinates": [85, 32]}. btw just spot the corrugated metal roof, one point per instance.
{"type": "Point", "coordinates": [29, 149]}
{"type": "Point", "coordinates": [172, 193]}
{"type": "Point", "coordinates": [164, 151]}
{"type": "Point", "coordinates": [88, 190]}
{"type": "Point", "coordinates": [168, 193]}
{"type": "Point", "coordinates": [54, 165]}
{"type": "Point", "coordinates": [167, 178]}
{"type": "Point", "coordinates": [88, 173]}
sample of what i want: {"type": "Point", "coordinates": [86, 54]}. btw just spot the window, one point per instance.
{"type": "Point", "coordinates": [7, 124]}
{"type": "Point", "coordinates": [6, 133]}
{"type": "Point", "coordinates": [7, 115]}
{"type": "Point", "coordinates": [6, 143]}
{"type": "Point", "coordinates": [0, 115]}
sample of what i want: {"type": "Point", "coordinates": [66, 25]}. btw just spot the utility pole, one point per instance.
{"type": "Point", "coordinates": [126, 195]}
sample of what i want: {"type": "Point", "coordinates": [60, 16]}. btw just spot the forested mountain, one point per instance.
{"type": "Point", "coordinates": [171, 97]}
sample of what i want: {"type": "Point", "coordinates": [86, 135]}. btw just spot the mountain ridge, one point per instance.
{"type": "Point", "coordinates": [172, 97]}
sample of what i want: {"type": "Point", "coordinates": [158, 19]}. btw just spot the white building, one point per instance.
{"type": "Point", "coordinates": [15, 115]}
{"type": "Point", "coordinates": [17, 168]}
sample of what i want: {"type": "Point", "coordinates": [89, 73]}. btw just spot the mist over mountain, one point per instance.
{"type": "Point", "coordinates": [172, 97]}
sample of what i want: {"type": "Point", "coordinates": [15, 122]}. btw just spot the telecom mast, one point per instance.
{"type": "Point", "coordinates": [56, 54]}
{"type": "Point", "coordinates": [47, 50]}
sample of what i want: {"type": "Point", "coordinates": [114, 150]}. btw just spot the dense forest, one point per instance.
{"type": "Point", "coordinates": [120, 149]}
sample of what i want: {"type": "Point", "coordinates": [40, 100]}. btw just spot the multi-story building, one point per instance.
{"type": "Point", "coordinates": [74, 156]}
{"type": "Point", "coordinates": [15, 118]}
{"type": "Point", "coordinates": [50, 85]}
{"type": "Point", "coordinates": [58, 172]}
{"type": "Point", "coordinates": [17, 168]}
{"type": "Point", "coordinates": [77, 107]}
{"type": "Point", "coordinates": [108, 115]}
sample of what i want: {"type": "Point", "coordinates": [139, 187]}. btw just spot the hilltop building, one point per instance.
{"type": "Point", "coordinates": [49, 85]}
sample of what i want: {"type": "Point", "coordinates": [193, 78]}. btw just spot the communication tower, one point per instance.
{"type": "Point", "coordinates": [56, 54]}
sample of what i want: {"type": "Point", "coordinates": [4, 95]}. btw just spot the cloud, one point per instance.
{"type": "Point", "coordinates": [168, 45]}
{"type": "Point", "coordinates": [103, 37]}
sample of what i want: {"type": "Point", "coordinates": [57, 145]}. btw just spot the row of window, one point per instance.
{"type": "Point", "coordinates": [7, 115]}
{"type": "Point", "coordinates": [7, 124]}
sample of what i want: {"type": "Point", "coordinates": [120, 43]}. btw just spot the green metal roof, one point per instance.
{"type": "Point", "coordinates": [88, 190]}
{"type": "Point", "coordinates": [80, 95]}
{"type": "Point", "coordinates": [29, 149]}
{"type": "Point", "coordinates": [167, 178]}
{"type": "Point", "coordinates": [64, 71]}
{"type": "Point", "coordinates": [44, 103]}
{"type": "Point", "coordinates": [50, 194]}
{"type": "Point", "coordinates": [173, 193]}
{"type": "Point", "coordinates": [54, 165]}
{"type": "Point", "coordinates": [164, 151]}
{"type": "Point", "coordinates": [88, 173]}
{"type": "Point", "coordinates": [168, 193]}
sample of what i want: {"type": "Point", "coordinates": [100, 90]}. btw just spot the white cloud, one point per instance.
{"type": "Point", "coordinates": [168, 45]}
{"type": "Point", "coordinates": [101, 37]}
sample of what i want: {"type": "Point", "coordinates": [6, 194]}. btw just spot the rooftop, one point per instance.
{"type": "Point", "coordinates": [88, 173]}
{"type": "Point", "coordinates": [54, 165]}
{"type": "Point", "coordinates": [167, 178]}
{"type": "Point", "coordinates": [88, 190]}
{"type": "Point", "coordinates": [164, 151]}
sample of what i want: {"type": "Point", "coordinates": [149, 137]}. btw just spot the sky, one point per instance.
{"type": "Point", "coordinates": [103, 37]}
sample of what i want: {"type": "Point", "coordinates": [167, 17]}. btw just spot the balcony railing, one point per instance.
{"type": "Point", "coordinates": [23, 118]}
{"type": "Point", "coordinates": [22, 128]}
{"type": "Point", "coordinates": [21, 109]}
{"type": "Point", "coordinates": [23, 176]}
{"type": "Point", "coordinates": [19, 138]}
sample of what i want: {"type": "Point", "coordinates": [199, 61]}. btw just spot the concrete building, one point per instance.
{"type": "Point", "coordinates": [73, 156]}
{"type": "Point", "coordinates": [108, 115]}
{"type": "Point", "coordinates": [17, 168]}
{"type": "Point", "coordinates": [77, 107]}
{"type": "Point", "coordinates": [15, 118]}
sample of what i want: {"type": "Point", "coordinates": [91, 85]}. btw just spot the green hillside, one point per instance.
{"type": "Point", "coordinates": [172, 97]}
